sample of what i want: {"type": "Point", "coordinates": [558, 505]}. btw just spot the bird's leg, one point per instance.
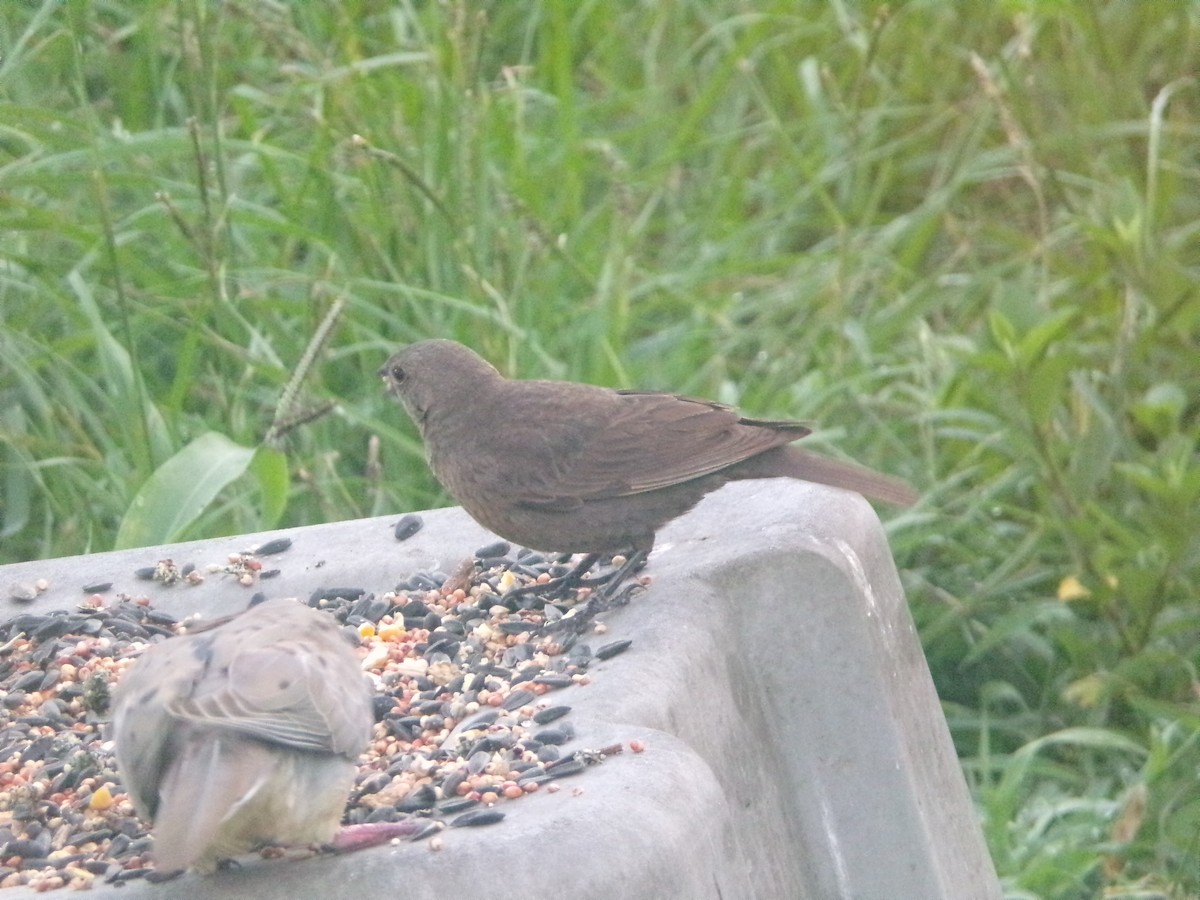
{"type": "Point", "coordinates": [611, 580]}
{"type": "Point", "coordinates": [604, 593]}
{"type": "Point", "coordinates": [602, 586]}
{"type": "Point", "coordinates": [574, 578]}
{"type": "Point", "coordinates": [557, 588]}
{"type": "Point", "coordinates": [372, 834]}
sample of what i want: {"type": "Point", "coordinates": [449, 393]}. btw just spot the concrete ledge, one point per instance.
{"type": "Point", "coordinates": [795, 745]}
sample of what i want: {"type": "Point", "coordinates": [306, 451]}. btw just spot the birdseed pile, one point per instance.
{"type": "Point", "coordinates": [468, 672]}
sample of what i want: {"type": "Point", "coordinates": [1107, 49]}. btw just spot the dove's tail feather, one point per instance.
{"type": "Point", "coordinates": [213, 776]}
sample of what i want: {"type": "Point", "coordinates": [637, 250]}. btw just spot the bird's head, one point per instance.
{"type": "Point", "coordinates": [432, 375]}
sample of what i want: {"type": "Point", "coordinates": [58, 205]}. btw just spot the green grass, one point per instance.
{"type": "Point", "coordinates": [967, 244]}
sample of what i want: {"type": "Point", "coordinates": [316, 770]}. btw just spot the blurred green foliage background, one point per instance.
{"type": "Point", "coordinates": [963, 239]}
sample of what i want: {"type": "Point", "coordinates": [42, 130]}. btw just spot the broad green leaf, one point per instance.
{"type": "Point", "coordinates": [271, 469]}
{"type": "Point", "coordinates": [180, 490]}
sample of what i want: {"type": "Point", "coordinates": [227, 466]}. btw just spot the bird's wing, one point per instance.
{"type": "Point", "coordinates": [303, 691]}
{"type": "Point", "coordinates": [646, 441]}
{"type": "Point", "coordinates": [144, 735]}
{"type": "Point", "coordinates": [211, 777]}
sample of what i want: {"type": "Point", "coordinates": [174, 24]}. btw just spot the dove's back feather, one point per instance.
{"type": "Point", "coordinates": [243, 733]}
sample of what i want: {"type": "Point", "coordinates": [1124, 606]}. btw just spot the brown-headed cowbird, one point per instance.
{"type": "Point", "coordinates": [242, 735]}
{"type": "Point", "coordinates": [556, 465]}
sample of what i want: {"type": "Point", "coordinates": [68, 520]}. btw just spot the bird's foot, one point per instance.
{"type": "Point", "coordinates": [605, 592]}
{"type": "Point", "coordinates": [372, 834]}
{"type": "Point", "coordinates": [601, 585]}
{"type": "Point", "coordinates": [557, 588]}
{"type": "Point", "coordinates": [604, 586]}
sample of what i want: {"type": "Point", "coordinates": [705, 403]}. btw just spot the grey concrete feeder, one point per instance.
{"type": "Point", "coordinates": [794, 744]}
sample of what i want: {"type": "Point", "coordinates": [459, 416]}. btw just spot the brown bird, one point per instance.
{"type": "Point", "coordinates": [242, 735]}
{"type": "Point", "coordinates": [556, 465]}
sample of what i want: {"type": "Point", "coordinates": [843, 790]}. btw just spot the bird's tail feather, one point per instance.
{"type": "Point", "coordinates": [212, 776]}
{"type": "Point", "coordinates": [792, 462]}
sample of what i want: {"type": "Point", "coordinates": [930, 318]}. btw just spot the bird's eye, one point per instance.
{"type": "Point", "coordinates": [397, 373]}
